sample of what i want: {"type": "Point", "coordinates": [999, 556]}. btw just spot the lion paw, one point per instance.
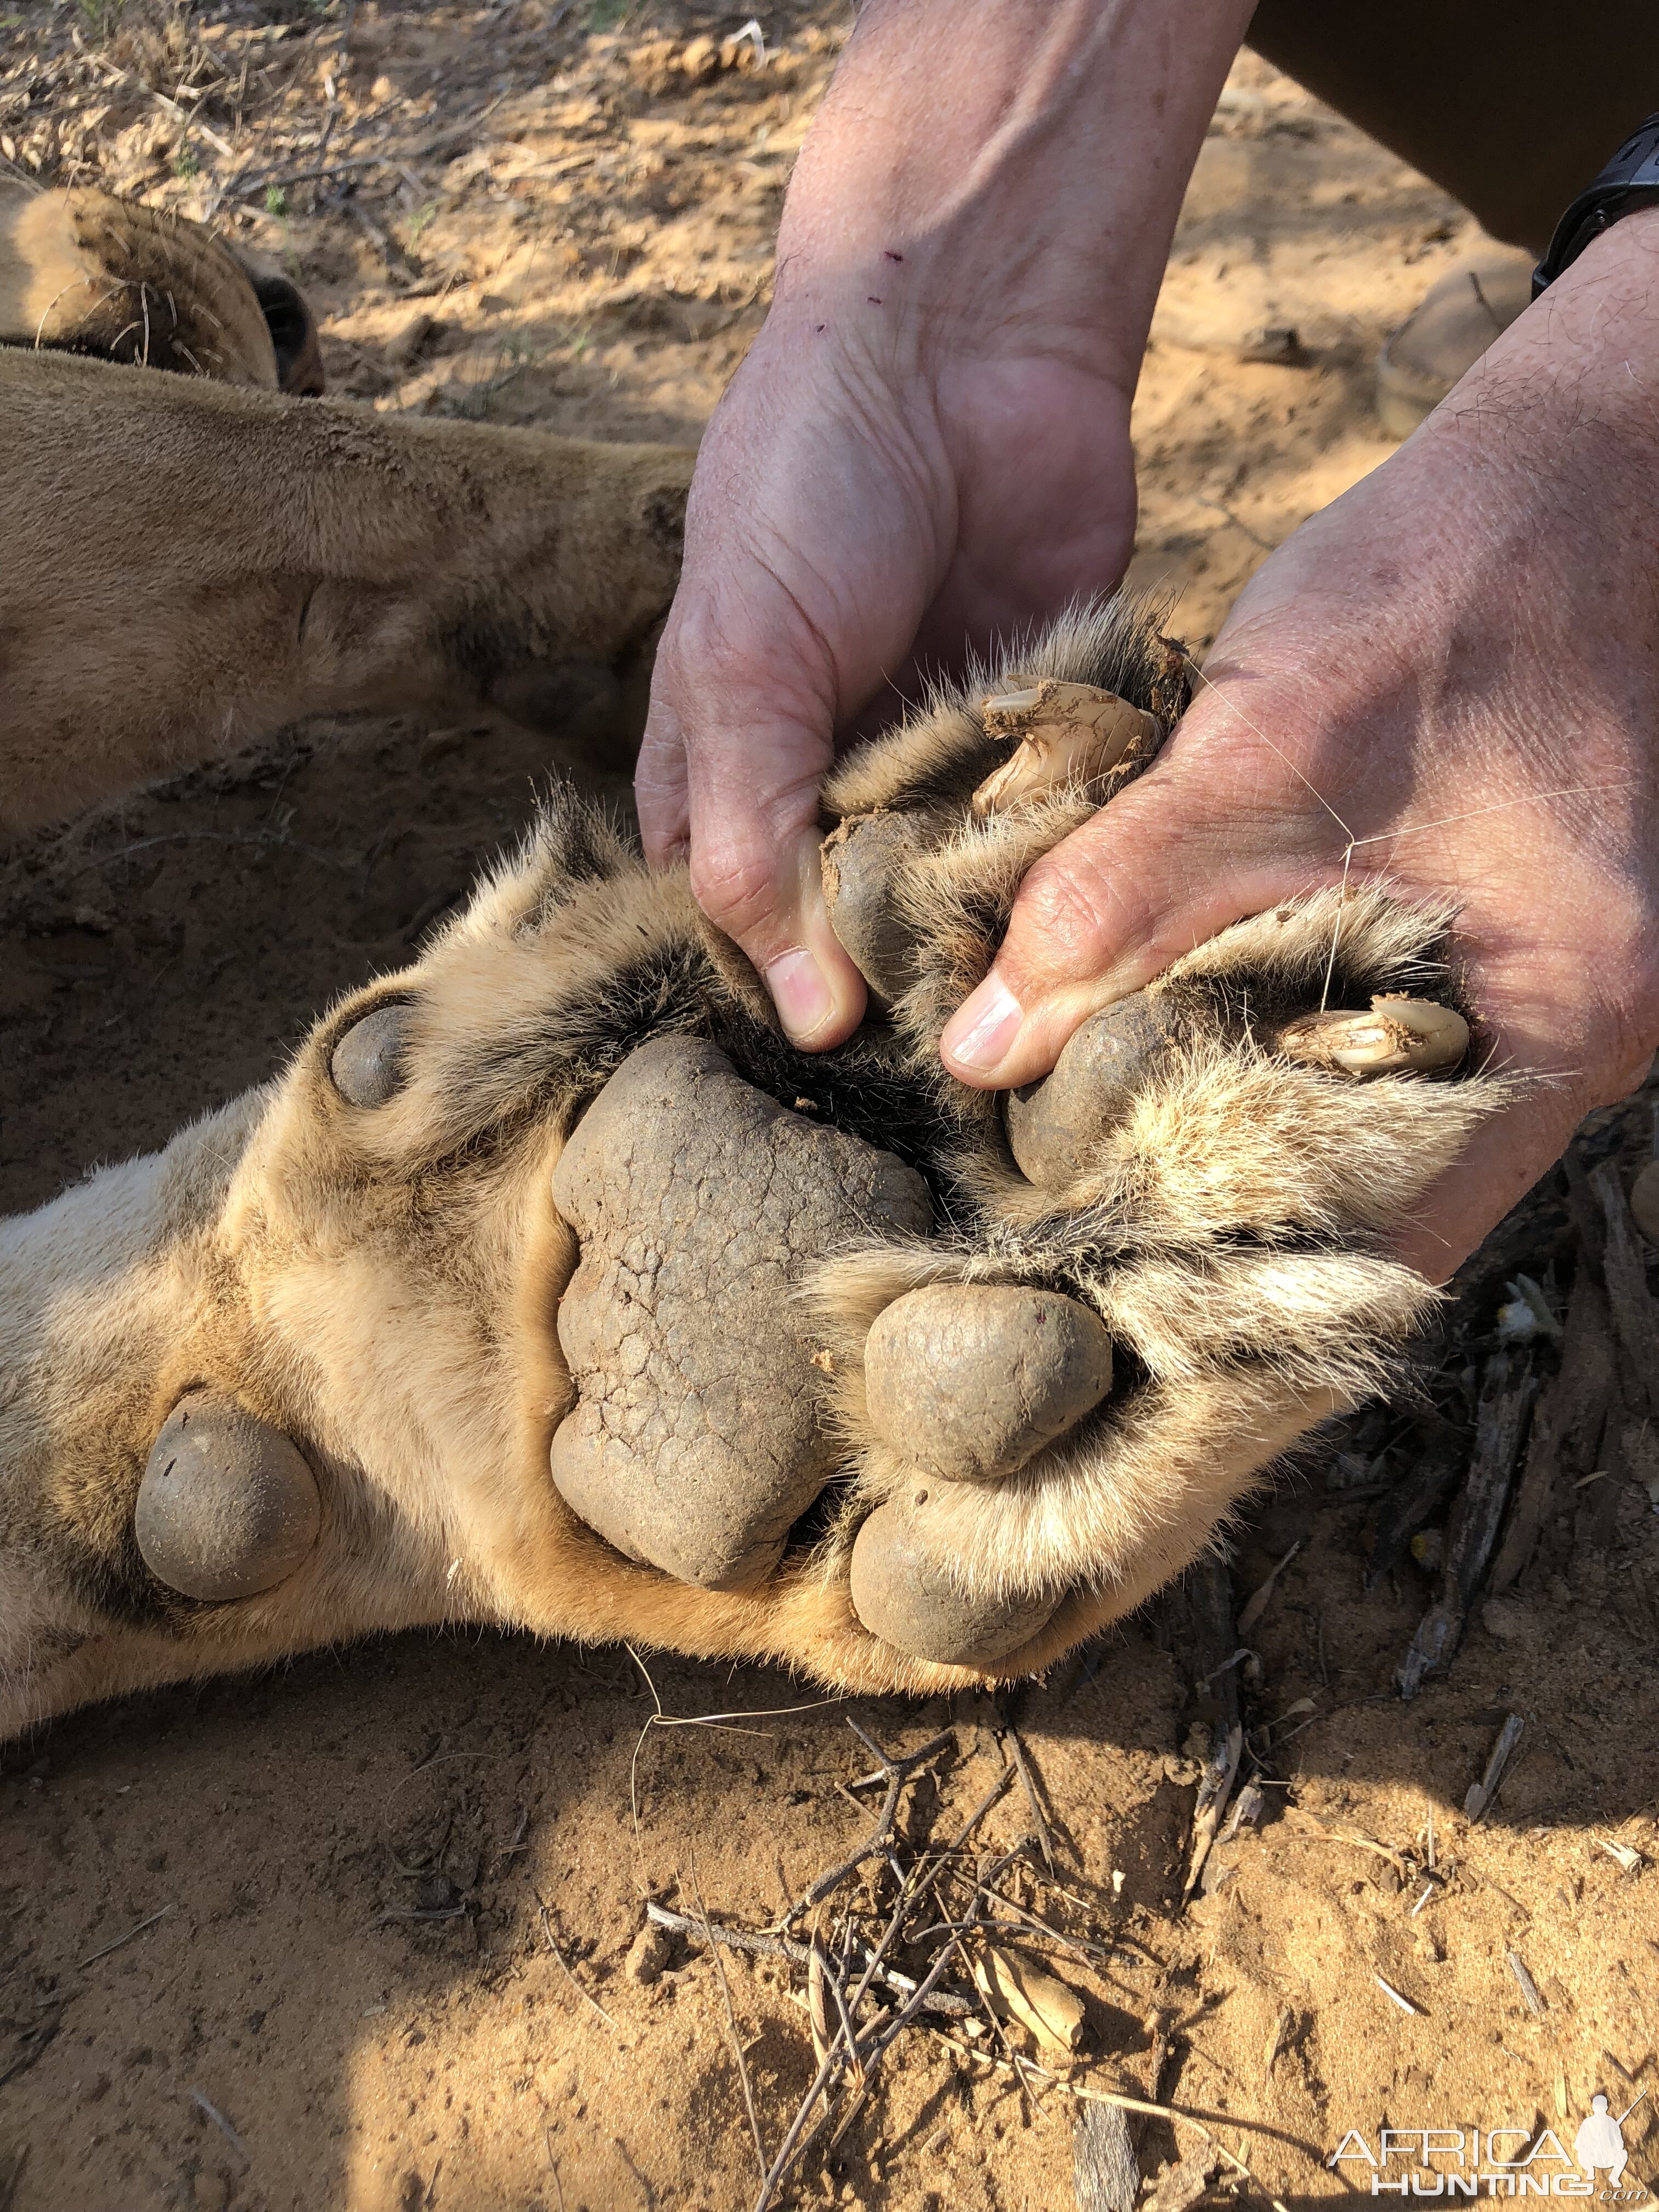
{"type": "Point", "coordinates": [552, 1286]}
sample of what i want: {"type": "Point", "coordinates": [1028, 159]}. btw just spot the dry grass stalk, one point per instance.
{"type": "Point", "coordinates": [1015, 1750]}
{"type": "Point", "coordinates": [1220, 1770]}
{"type": "Point", "coordinates": [1256, 1605]}
{"type": "Point", "coordinates": [1567, 1427]}
{"type": "Point", "coordinates": [586, 1996]}
{"type": "Point", "coordinates": [1310, 1830]}
{"type": "Point", "coordinates": [1507, 1389]}
{"type": "Point", "coordinates": [1482, 1793]}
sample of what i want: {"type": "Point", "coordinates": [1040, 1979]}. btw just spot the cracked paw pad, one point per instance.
{"type": "Point", "coordinates": [697, 1436]}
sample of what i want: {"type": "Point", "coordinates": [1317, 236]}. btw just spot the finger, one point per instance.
{"type": "Point", "coordinates": [1503, 1161]}
{"type": "Point", "coordinates": [1168, 865]}
{"type": "Point", "coordinates": [662, 786]}
{"type": "Point", "coordinates": [749, 685]}
{"type": "Point", "coordinates": [760, 880]}
{"type": "Point", "coordinates": [764, 887]}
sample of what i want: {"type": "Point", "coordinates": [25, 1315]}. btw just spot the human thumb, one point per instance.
{"type": "Point", "coordinates": [1217, 829]}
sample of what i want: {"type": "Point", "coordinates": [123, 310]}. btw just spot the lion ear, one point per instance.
{"type": "Point", "coordinates": [292, 325]}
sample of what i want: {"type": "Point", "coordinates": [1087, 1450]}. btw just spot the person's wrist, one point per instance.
{"type": "Point", "coordinates": [1582, 365]}
{"type": "Point", "coordinates": [1003, 175]}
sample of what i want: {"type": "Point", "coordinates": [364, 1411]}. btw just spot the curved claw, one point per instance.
{"type": "Point", "coordinates": [1398, 1036]}
{"type": "Point", "coordinates": [1067, 733]}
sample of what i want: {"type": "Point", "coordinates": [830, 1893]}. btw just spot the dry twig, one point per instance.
{"type": "Point", "coordinates": [731, 2024]}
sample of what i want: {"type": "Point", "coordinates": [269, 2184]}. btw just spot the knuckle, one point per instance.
{"type": "Point", "coordinates": [736, 885]}
{"type": "Point", "coordinates": [1062, 914]}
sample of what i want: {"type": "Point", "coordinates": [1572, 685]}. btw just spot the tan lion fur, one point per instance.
{"type": "Point", "coordinates": [187, 565]}
{"type": "Point", "coordinates": [85, 272]}
{"type": "Point", "coordinates": [381, 1284]}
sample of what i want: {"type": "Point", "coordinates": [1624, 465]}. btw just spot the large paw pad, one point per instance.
{"type": "Point", "coordinates": [697, 1438]}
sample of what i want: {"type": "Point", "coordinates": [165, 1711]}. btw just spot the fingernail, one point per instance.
{"type": "Point", "coordinates": [980, 1032]}
{"type": "Point", "coordinates": [802, 997]}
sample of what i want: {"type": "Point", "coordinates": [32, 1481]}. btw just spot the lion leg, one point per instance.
{"type": "Point", "coordinates": [300, 1377]}
{"type": "Point", "coordinates": [117, 1302]}
{"type": "Point", "coordinates": [190, 566]}
{"type": "Point", "coordinates": [85, 272]}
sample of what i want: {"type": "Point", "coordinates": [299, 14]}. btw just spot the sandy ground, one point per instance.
{"type": "Point", "coordinates": [216, 1986]}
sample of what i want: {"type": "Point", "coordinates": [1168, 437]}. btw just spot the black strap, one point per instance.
{"type": "Point", "coordinates": [1631, 180]}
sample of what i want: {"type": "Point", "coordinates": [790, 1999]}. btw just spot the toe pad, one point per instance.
{"type": "Point", "coordinates": [902, 1592]}
{"type": "Point", "coordinates": [228, 1506]}
{"type": "Point", "coordinates": [970, 1380]}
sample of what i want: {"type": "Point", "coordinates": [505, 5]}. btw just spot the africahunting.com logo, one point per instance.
{"type": "Point", "coordinates": [1497, 2161]}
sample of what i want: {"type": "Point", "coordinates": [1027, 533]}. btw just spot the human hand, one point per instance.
{"type": "Point", "coordinates": [928, 443]}
{"type": "Point", "coordinates": [848, 518]}
{"type": "Point", "coordinates": [1450, 678]}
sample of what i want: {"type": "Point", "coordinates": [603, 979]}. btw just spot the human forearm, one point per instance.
{"type": "Point", "coordinates": [1004, 170]}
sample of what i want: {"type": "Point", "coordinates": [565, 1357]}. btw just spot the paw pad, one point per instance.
{"type": "Point", "coordinates": [366, 1065]}
{"type": "Point", "coordinates": [902, 1590]}
{"type": "Point", "coordinates": [860, 858]}
{"type": "Point", "coordinates": [698, 1439]}
{"type": "Point", "coordinates": [969, 1381]}
{"type": "Point", "coordinates": [1055, 1125]}
{"type": "Point", "coordinates": [228, 1506]}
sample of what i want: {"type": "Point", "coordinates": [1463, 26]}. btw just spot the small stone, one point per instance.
{"type": "Point", "coordinates": [1279, 344]}
{"type": "Point", "coordinates": [1506, 1619]}
{"type": "Point", "coordinates": [647, 1955]}
{"type": "Point", "coordinates": [416, 339]}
